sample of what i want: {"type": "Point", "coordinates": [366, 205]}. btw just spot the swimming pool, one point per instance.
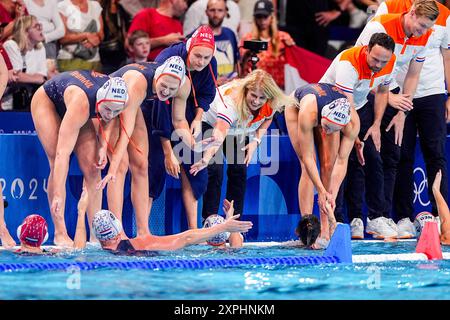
{"type": "Point", "coordinates": [429, 280]}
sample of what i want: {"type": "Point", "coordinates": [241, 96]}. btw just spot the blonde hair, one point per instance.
{"type": "Point", "coordinates": [259, 79]}
{"type": "Point", "coordinates": [273, 32]}
{"type": "Point", "coordinates": [426, 8]}
{"type": "Point", "coordinates": [20, 32]}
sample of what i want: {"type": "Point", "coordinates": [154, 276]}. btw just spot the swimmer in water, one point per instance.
{"type": "Point", "coordinates": [108, 231]}
{"type": "Point", "coordinates": [443, 210]}
{"type": "Point", "coordinates": [308, 230]}
{"type": "Point", "coordinates": [33, 232]}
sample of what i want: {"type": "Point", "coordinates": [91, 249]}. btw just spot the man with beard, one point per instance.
{"type": "Point", "coordinates": [227, 52]}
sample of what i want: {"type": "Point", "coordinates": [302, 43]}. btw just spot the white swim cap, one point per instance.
{"type": "Point", "coordinates": [113, 95]}
{"type": "Point", "coordinates": [221, 238]}
{"type": "Point", "coordinates": [173, 66]}
{"type": "Point", "coordinates": [337, 112]}
{"type": "Point", "coordinates": [421, 219]}
{"type": "Point", "coordinates": [106, 226]}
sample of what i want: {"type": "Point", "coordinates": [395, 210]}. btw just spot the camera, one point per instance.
{"type": "Point", "coordinates": [256, 45]}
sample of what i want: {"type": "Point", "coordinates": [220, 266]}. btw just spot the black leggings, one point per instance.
{"type": "Point", "coordinates": [236, 176]}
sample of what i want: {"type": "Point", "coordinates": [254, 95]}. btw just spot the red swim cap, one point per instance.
{"type": "Point", "coordinates": [33, 231]}
{"type": "Point", "coordinates": [203, 36]}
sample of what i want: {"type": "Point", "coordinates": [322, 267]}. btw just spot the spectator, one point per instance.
{"type": "Point", "coordinates": [265, 29]}
{"type": "Point", "coordinates": [84, 33]}
{"type": "Point", "coordinates": [27, 55]}
{"type": "Point", "coordinates": [9, 11]}
{"type": "Point", "coordinates": [342, 12]}
{"type": "Point", "coordinates": [112, 48]}
{"type": "Point", "coordinates": [12, 74]}
{"type": "Point", "coordinates": [139, 46]}
{"type": "Point", "coordinates": [195, 16]}
{"type": "Point", "coordinates": [246, 10]}
{"type": "Point", "coordinates": [162, 25]}
{"type": "Point", "coordinates": [132, 7]}
{"type": "Point", "coordinates": [302, 24]}
{"type": "Point", "coordinates": [52, 24]}
{"type": "Point", "coordinates": [227, 53]}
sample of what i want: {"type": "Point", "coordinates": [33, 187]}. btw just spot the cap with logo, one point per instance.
{"type": "Point", "coordinates": [203, 37]}
{"type": "Point", "coordinates": [33, 231]}
{"type": "Point", "coordinates": [173, 66]}
{"type": "Point", "coordinates": [263, 8]}
{"type": "Point", "coordinates": [106, 226]}
{"type": "Point", "coordinates": [337, 112]}
{"type": "Point", "coordinates": [113, 94]}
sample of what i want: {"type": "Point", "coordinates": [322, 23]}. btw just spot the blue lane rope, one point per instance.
{"type": "Point", "coordinates": [171, 264]}
{"type": "Point", "coordinates": [339, 251]}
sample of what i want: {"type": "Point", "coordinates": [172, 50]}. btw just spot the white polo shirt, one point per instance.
{"type": "Point", "coordinates": [406, 49]}
{"type": "Point", "coordinates": [432, 78]}
{"type": "Point", "coordinates": [350, 72]}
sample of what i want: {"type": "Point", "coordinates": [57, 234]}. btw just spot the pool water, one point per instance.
{"type": "Point", "coordinates": [429, 280]}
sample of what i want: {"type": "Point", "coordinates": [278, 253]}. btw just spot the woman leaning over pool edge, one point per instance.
{"type": "Point", "coordinates": [62, 110]}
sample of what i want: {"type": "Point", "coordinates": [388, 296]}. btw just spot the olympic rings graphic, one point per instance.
{"type": "Point", "coordinates": [418, 190]}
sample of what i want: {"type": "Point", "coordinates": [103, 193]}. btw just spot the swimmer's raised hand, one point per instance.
{"type": "Point", "coordinates": [102, 184]}
{"type": "Point", "coordinates": [83, 202]}
{"type": "Point", "coordinates": [233, 225]}
{"type": "Point", "coordinates": [437, 182]}
{"type": "Point", "coordinates": [228, 208]}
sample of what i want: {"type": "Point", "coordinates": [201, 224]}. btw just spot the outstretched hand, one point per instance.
{"type": "Point", "coordinates": [196, 128]}
{"type": "Point", "coordinates": [198, 166]}
{"type": "Point", "coordinates": [83, 202]}
{"type": "Point", "coordinates": [102, 159]}
{"type": "Point", "coordinates": [359, 147]}
{"type": "Point", "coordinates": [228, 208]}
{"type": "Point", "coordinates": [205, 144]}
{"type": "Point", "coordinates": [398, 122]}
{"type": "Point", "coordinates": [437, 182]}
{"type": "Point", "coordinates": [331, 219]}
{"type": "Point", "coordinates": [233, 225]}
{"type": "Point", "coordinates": [102, 184]}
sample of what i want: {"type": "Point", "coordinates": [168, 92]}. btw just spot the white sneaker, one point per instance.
{"type": "Point", "coordinates": [391, 224]}
{"type": "Point", "coordinates": [406, 229]}
{"type": "Point", "coordinates": [380, 229]}
{"type": "Point", "coordinates": [357, 228]}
